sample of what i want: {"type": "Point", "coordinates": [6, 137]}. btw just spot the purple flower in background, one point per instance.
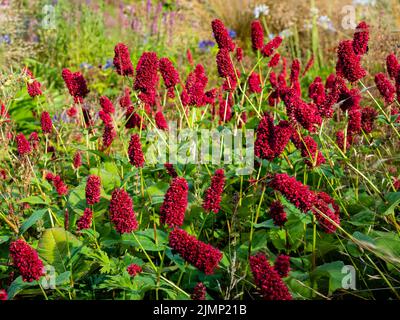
{"type": "Point", "coordinates": [205, 45]}
{"type": "Point", "coordinates": [109, 64]}
{"type": "Point", "coordinates": [5, 39]}
{"type": "Point", "coordinates": [85, 65]}
{"type": "Point", "coordinates": [232, 33]}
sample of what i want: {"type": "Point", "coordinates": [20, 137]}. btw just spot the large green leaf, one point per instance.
{"type": "Point", "coordinates": [37, 215]}
{"type": "Point", "coordinates": [333, 271]}
{"type": "Point", "coordinates": [55, 247]}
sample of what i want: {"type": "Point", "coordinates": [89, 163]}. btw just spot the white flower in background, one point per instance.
{"type": "Point", "coordinates": [285, 33]}
{"type": "Point", "coordinates": [307, 25]}
{"type": "Point", "coordinates": [314, 11]}
{"type": "Point", "coordinates": [261, 9]}
{"type": "Point", "coordinates": [271, 36]}
{"type": "Point", "coordinates": [364, 2]}
{"type": "Point", "coordinates": [326, 23]}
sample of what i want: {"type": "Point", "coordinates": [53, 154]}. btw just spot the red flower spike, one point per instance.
{"type": "Point", "coordinates": [134, 269]}
{"type": "Point", "coordinates": [26, 260]}
{"type": "Point", "coordinates": [203, 256]}
{"type": "Point", "coordinates": [93, 189]}
{"type": "Point", "coordinates": [257, 35]}
{"type": "Point", "coordinates": [282, 265]}
{"type": "Point", "coordinates": [277, 213]}
{"type": "Point", "coordinates": [267, 279]}
{"type": "Point", "coordinates": [221, 35]}
{"type": "Point", "coordinates": [122, 60]}
{"type": "Point", "coordinates": [294, 191]}
{"type": "Point", "coordinates": [85, 221]}
{"type": "Point", "coordinates": [213, 195]}
{"type": "Point", "coordinates": [172, 210]}
{"type": "Point", "coordinates": [135, 153]}
{"type": "Point", "coordinates": [199, 292]}
{"type": "Point", "coordinates": [121, 212]}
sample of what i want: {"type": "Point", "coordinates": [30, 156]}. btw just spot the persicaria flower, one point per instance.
{"type": "Point", "coordinates": [77, 162]}
{"type": "Point", "coordinates": [134, 269]}
{"type": "Point", "coordinates": [307, 114]}
{"type": "Point", "coordinates": [199, 292]}
{"type": "Point", "coordinates": [33, 86]}
{"type": "Point", "coordinates": [226, 69]}
{"type": "Point", "coordinates": [105, 117]}
{"type": "Point", "coordinates": [209, 96]}
{"type": "Point", "coordinates": [348, 98]}
{"type": "Point", "coordinates": [203, 256]}
{"type": "Point", "coordinates": [368, 116]}
{"type": "Point", "coordinates": [147, 77]}
{"type": "Point", "coordinates": [23, 145]}
{"type": "Point", "coordinates": [271, 140]}
{"type": "Point", "coordinates": [195, 85]}
{"type": "Point", "coordinates": [360, 38]}
{"type": "Point", "coordinates": [76, 85]}
{"type": "Point", "coordinates": [3, 295]}
{"type": "Point", "coordinates": [72, 112]}
{"type": "Point", "coordinates": [170, 170]}
{"type": "Point", "coordinates": [349, 63]}
{"type": "Point", "coordinates": [274, 60]}
{"type": "Point", "coordinates": [325, 210]}
{"type": "Point", "coordinates": [297, 193]}
{"type": "Point", "coordinates": [122, 60]}
{"type": "Point", "coordinates": [268, 279]}
{"type": "Point", "coordinates": [85, 221]}
{"type": "Point", "coordinates": [106, 105]}
{"type": "Point", "coordinates": [169, 75]}
{"type": "Point", "coordinates": [271, 46]}
{"type": "Point", "coordinates": [221, 35]}
{"type": "Point", "coordinates": [133, 119]}
{"type": "Point", "coordinates": [257, 35]}
{"type": "Point", "coordinates": [26, 259]}
{"type": "Point", "coordinates": [392, 65]}
{"type": "Point", "coordinates": [385, 87]}
{"type": "Point", "coordinates": [135, 152]}
{"type": "Point", "coordinates": [93, 188]}
{"type": "Point", "coordinates": [239, 54]}
{"type": "Point", "coordinates": [309, 150]}
{"type": "Point", "coordinates": [213, 195]}
{"type": "Point", "coordinates": [316, 92]}
{"type": "Point", "coordinates": [34, 140]}
{"type": "Point", "coordinates": [109, 134]}
{"type": "Point", "coordinates": [60, 186]}
{"type": "Point", "coordinates": [172, 210]}
{"type": "Point", "coordinates": [189, 57]}
{"type": "Point", "coordinates": [294, 71]}
{"type": "Point", "coordinates": [355, 117]}
{"type": "Point", "coordinates": [121, 212]}
{"type": "Point", "coordinates": [254, 83]}
{"type": "Point", "coordinates": [277, 213]}
{"type": "Point", "coordinates": [282, 265]}
{"type": "Point", "coordinates": [46, 122]}
{"type": "Point", "coordinates": [161, 123]}
{"type": "Point", "coordinates": [125, 101]}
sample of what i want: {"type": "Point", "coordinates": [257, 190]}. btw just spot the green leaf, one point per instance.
{"type": "Point", "coordinates": [37, 215]}
{"type": "Point", "coordinates": [34, 200]}
{"type": "Point", "coordinates": [55, 247]}
{"type": "Point", "coordinates": [19, 285]}
{"type": "Point", "coordinates": [333, 271]}
{"type": "Point", "coordinates": [393, 200]}
{"type": "Point", "coordinates": [4, 239]}
{"type": "Point", "coordinates": [157, 192]}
